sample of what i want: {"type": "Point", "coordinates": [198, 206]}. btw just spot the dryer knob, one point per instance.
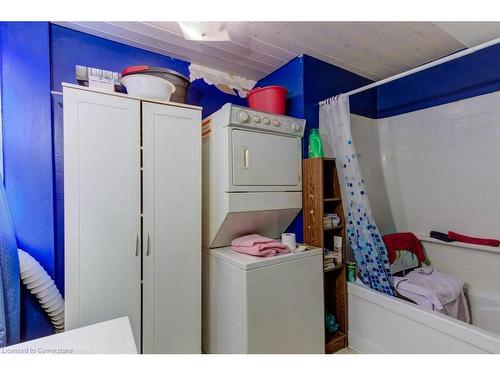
{"type": "Point", "coordinates": [295, 127]}
{"type": "Point", "coordinates": [243, 116]}
{"type": "Point", "coordinates": [276, 122]}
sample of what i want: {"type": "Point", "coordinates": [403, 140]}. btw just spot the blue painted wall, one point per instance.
{"type": "Point", "coordinates": [309, 81]}
{"type": "Point", "coordinates": [323, 80]}
{"type": "Point", "coordinates": [1, 127]}
{"type": "Point", "coordinates": [468, 76]}
{"type": "Point", "coordinates": [27, 147]}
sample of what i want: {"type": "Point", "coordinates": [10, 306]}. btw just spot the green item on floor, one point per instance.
{"type": "Point", "coordinates": [351, 271]}
{"type": "Point", "coordinates": [315, 144]}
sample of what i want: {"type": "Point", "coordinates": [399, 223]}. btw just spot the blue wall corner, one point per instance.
{"type": "Point", "coordinates": [27, 147]}
{"type": "Point", "coordinates": [28, 136]}
{"type": "Point", "coordinates": [291, 76]}
{"type": "Point", "coordinates": [323, 80]}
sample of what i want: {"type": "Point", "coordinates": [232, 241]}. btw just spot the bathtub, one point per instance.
{"type": "Point", "coordinates": [479, 267]}
{"type": "Point", "coordinates": [378, 323]}
{"type": "Point", "coordinates": [382, 324]}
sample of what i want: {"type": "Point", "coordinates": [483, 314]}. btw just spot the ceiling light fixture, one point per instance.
{"type": "Point", "coordinates": [205, 31]}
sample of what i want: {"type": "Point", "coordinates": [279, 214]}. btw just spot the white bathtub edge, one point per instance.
{"type": "Point", "coordinates": [466, 333]}
{"type": "Point", "coordinates": [463, 245]}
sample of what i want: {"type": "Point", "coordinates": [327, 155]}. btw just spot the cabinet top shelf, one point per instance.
{"type": "Point", "coordinates": [336, 268]}
{"type": "Point", "coordinates": [173, 104]}
{"type": "Point", "coordinates": [333, 228]}
{"type": "Point", "coordinates": [335, 199]}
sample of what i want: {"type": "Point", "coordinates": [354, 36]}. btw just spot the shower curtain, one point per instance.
{"type": "Point", "coordinates": [10, 284]}
{"type": "Point", "coordinates": [363, 235]}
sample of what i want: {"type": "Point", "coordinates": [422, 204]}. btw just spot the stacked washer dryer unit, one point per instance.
{"type": "Point", "coordinates": [252, 183]}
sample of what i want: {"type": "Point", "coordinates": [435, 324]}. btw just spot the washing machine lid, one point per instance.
{"type": "Point", "coordinates": [249, 262]}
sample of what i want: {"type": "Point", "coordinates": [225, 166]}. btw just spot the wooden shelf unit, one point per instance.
{"type": "Point", "coordinates": [334, 342]}
{"type": "Point", "coordinates": [321, 194]}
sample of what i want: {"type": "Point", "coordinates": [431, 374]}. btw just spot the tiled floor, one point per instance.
{"type": "Point", "coordinates": [346, 351]}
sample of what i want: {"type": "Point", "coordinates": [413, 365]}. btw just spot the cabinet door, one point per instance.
{"type": "Point", "coordinates": [171, 229]}
{"type": "Point", "coordinates": [102, 205]}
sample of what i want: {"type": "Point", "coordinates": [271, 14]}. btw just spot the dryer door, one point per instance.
{"type": "Point", "coordinates": [265, 161]}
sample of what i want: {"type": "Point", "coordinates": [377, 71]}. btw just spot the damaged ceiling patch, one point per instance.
{"type": "Point", "coordinates": [225, 82]}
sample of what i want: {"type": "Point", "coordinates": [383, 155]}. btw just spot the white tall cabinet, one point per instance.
{"type": "Point", "coordinates": [132, 206]}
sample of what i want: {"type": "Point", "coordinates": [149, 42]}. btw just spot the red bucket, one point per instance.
{"type": "Point", "coordinates": [268, 99]}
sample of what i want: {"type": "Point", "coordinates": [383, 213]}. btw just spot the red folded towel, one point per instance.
{"type": "Point", "coordinates": [403, 241]}
{"type": "Point", "coordinates": [473, 240]}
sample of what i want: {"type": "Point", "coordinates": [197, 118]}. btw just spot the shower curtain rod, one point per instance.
{"type": "Point", "coordinates": [431, 64]}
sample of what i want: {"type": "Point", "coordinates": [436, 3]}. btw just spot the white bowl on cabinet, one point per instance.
{"type": "Point", "coordinates": [148, 86]}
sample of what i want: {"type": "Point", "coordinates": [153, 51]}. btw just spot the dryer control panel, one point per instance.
{"type": "Point", "coordinates": [250, 118]}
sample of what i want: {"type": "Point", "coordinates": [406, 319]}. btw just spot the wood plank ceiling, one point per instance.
{"type": "Point", "coordinates": [374, 50]}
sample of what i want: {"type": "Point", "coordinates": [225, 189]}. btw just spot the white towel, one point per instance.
{"type": "Point", "coordinates": [442, 292]}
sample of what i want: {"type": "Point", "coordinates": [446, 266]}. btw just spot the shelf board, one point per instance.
{"type": "Point", "coordinates": [334, 342]}
{"type": "Point", "coordinates": [334, 227]}
{"type": "Point", "coordinates": [335, 199]}
{"type": "Point", "coordinates": [336, 268]}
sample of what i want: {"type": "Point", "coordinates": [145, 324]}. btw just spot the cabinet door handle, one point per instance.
{"type": "Point", "coordinates": [136, 245]}
{"type": "Point", "coordinates": [148, 247]}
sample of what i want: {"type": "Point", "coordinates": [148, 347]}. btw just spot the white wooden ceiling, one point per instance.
{"type": "Point", "coordinates": [374, 50]}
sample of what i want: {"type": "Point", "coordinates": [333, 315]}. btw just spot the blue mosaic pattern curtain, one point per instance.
{"type": "Point", "coordinates": [363, 235]}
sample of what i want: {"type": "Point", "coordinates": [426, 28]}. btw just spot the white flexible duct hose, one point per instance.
{"type": "Point", "coordinates": [40, 284]}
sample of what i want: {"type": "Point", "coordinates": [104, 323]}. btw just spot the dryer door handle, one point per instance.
{"type": "Point", "coordinates": [245, 157]}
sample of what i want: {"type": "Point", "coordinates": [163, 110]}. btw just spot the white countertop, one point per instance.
{"type": "Point", "coordinates": [109, 337]}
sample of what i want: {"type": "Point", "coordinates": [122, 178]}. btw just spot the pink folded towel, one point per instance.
{"type": "Point", "coordinates": [254, 244]}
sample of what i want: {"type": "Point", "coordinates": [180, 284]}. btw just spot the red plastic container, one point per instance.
{"type": "Point", "coordinates": [268, 99]}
